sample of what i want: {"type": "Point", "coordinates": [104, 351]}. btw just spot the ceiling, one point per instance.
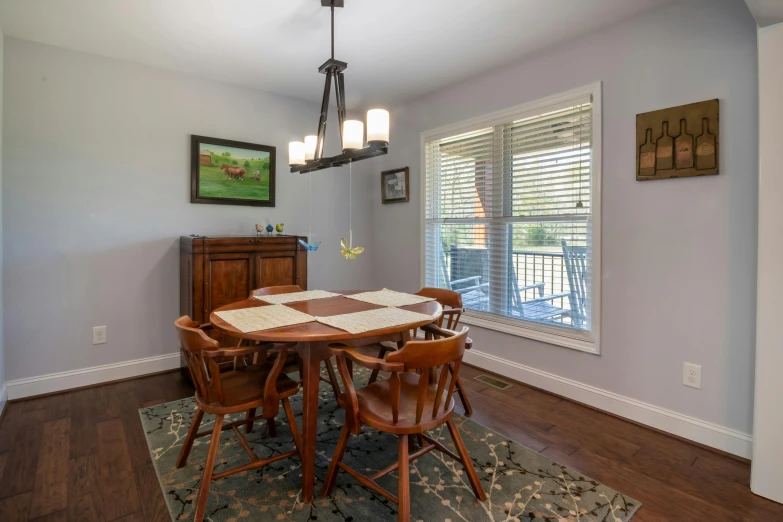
{"type": "Point", "coordinates": [766, 12]}
{"type": "Point", "coordinates": [396, 49]}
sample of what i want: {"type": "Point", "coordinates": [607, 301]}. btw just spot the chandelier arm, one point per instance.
{"type": "Point", "coordinates": [319, 144]}
{"type": "Point", "coordinates": [339, 88]}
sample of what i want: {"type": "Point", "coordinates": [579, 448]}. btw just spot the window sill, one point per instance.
{"type": "Point", "coordinates": [583, 345]}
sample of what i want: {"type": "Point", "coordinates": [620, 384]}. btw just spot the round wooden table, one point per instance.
{"type": "Point", "coordinates": [312, 340]}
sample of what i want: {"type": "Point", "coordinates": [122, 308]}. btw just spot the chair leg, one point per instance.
{"type": "Point", "coordinates": [404, 485]}
{"type": "Point", "coordinates": [250, 414]}
{"type": "Point", "coordinates": [206, 480]}
{"type": "Point", "coordinates": [374, 374]}
{"type": "Point", "coordinates": [461, 392]}
{"type": "Point", "coordinates": [466, 462]}
{"type": "Point", "coordinates": [271, 428]}
{"type": "Point", "coordinates": [332, 378]}
{"type": "Point", "coordinates": [289, 413]}
{"type": "Point", "coordinates": [463, 397]}
{"type": "Point", "coordinates": [339, 451]}
{"type": "Point", "coordinates": [191, 436]}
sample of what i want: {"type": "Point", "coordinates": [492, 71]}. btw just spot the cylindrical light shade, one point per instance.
{"type": "Point", "coordinates": [310, 144]}
{"type": "Point", "coordinates": [378, 126]}
{"type": "Point", "coordinates": [296, 153]}
{"type": "Point", "coordinates": [353, 134]}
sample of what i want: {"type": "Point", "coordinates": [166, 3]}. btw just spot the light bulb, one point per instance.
{"type": "Point", "coordinates": [296, 153]}
{"type": "Point", "coordinates": [310, 143]}
{"type": "Point", "coordinates": [377, 126]}
{"type": "Point", "coordinates": [353, 135]}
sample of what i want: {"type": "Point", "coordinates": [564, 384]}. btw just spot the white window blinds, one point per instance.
{"type": "Point", "coordinates": [508, 217]}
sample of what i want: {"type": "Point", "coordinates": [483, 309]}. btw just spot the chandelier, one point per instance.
{"type": "Point", "coordinates": [307, 156]}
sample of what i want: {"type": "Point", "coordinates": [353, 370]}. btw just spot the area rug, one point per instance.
{"type": "Point", "coordinates": [521, 484]}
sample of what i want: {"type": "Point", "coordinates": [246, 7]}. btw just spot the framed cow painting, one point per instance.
{"type": "Point", "coordinates": [227, 172]}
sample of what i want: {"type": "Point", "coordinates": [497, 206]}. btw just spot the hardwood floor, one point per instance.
{"type": "Point", "coordinates": [82, 455]}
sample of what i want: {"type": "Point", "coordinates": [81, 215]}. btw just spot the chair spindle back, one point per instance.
{"type": "Point", "coordinates": [202, 355]}
{"type": "Point", "coordinates": [441, 358]}
{"type": "Point", "coordinates": [451, 302]}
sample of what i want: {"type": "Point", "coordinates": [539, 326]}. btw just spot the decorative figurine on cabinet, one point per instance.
{"type": "Point", "coordinates": [279, 228]}
{"type": "Point", "coordinates": [269, 229]}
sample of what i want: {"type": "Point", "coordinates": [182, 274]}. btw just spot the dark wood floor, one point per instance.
{"type": "Point", "coordinates": [82, 455]}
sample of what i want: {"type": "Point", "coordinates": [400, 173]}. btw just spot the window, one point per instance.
{"type": "Point", "coordinates": [510, 218]}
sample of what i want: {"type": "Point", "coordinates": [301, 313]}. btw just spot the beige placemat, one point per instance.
{"type": "Point", "coordinates": [360, 322]}
{"type": "Point", "coordinates": [295, 297]}
{"type": "Point", "coordinates": [388, 297]}
{"type": "Point", "coordinates": [263, 317]}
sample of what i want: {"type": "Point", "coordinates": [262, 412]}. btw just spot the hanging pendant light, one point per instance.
{"type": "Point", "coordinates": [307, 156]}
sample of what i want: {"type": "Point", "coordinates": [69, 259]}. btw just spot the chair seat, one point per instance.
{"type": "Point", "coordinates": [542, 310]}
{"type": "Point", "coordinates": [246, 386]}
{"type": "Point", "coordinates": [474, 299]}
{"type": "Point", "coordinates": [375, 406]}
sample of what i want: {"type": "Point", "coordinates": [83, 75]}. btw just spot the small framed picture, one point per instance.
{"type": "Point", "coordinates": [395, 186]}
{"type": "Point", "coordinates": [230, 172]}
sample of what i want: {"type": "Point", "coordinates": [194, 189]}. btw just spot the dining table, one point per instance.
{"type": "Point", "coordinates": [312, 344]}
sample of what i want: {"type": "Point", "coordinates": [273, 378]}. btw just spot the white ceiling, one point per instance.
{"type": "Point", "coordinates": [766, 12]}
{"type": "Point", "coordinates": [396, 49]}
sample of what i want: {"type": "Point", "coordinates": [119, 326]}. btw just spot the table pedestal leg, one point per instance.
{"type": "Point", "coordinates": [311, 356]}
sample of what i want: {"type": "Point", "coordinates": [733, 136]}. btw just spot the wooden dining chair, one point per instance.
{"type": "Point", "coordinates": [407, 404]}
{"type": "Point", "coordinates": [240, 390]}
{"type": "Point", "coordinates": [294, 363]}
{"type": "Point", "coordinates": [451, 302]}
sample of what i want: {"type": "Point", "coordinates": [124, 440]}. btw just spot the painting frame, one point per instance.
{"type": "Point", "coordinates": [196, 195]}
{"type": "Point", "coordinates": [406, 196]}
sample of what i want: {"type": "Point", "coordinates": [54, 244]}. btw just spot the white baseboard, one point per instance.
{"type": "Point", "coordinates": [707, 433]}
{"type": "Point", "coordinates": [54, 382]}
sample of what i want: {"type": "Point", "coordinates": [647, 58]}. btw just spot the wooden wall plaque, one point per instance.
{"type": "Point", "coordinates": [678, 142]}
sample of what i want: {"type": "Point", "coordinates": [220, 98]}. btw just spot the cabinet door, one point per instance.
{"type": "Point", "coordinates": [228, 278]}
{"type": "Point", "coordinates": [275, 268]}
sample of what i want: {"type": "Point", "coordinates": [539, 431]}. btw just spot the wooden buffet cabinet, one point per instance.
{"type": "Point", "coordinates": [216, 271]}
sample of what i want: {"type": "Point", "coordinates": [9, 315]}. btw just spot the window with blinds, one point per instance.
{"type": "Point", "coordinates": [508, 217]}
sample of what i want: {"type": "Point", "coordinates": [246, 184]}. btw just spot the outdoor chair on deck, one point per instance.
{"type": "Point", "coordinates": [541, 308]}
{"type": "Point", "coordinates": [473, 291]}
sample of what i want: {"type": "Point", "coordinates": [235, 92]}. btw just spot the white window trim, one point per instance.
{"type": "Point", "coordinates": [582, 341]}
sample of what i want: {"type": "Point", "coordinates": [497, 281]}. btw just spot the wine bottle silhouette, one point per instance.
{"type": "Point", "coordinates": [705, 147]}
{"type": "Point", "coordinates": [664, 149]}
{"type": "Point", "coordinates": [683, 148]}
{"type": "Point", "coordinates": [647, 156]}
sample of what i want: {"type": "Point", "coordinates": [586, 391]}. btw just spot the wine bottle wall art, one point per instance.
{"type": "Point", "coordinates": [678, 142]}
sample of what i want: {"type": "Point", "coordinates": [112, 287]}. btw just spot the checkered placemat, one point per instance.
{"type": "Point", "coordinates": [388, 297]}
{"type": "Point", "coordinates": [360, 322]}
{"type": "Point", "coordinates": [295, 297]}
{"type": "Point", "coordinates": [264, 317]}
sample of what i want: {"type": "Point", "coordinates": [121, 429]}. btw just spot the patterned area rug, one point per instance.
{"type": "Point", "coordinates": [521, 484]}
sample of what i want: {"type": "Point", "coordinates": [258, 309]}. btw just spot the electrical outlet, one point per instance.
{"type": "Point", "coordinates": [98, 335]}
{"type": "Point", "coordinates": [691, 375]}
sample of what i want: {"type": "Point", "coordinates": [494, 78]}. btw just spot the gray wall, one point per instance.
{"type": "Point", "coordinates": [679, 256]}
{"type": "Point", "coordinates": [96, 194]}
